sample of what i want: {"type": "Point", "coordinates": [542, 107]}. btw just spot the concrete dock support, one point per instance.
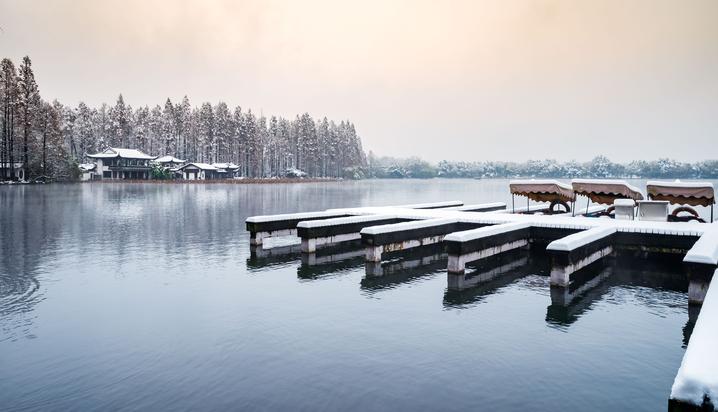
{"type": "Point", "coordinates": [561, 274]}
{"type": "Point", "coordinates": [407, 235]}
{"type": "Point", "coordinates": [457, 263]}
{"type": "Point", "coordinates": [574, 252]}
{"type": "Point", "coordinates": [257, 238]}
{"type": "Point", "coordinates": [697, 289]}
{"type": "Point", "coordinates": [476, 244]}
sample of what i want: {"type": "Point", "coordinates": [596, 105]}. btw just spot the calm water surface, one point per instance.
{"type": "Point", "coordinates": [146, 297]}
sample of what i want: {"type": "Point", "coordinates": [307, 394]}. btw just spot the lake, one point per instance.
{"type": "Point", "coordinates": [147, 297]}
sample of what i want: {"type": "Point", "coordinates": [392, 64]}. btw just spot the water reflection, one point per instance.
{"type": "Point", "coordinates": [413, 264]}
{"type": "Point", "coordinates": [330, 261]}
{"type": "Point", "coordinates": [260, 258]}
{"type": "Point", "coordinates": [588, 285]}
{"type": "Point", "coordinates": [23, 245]}
{"type": "Point", "coordinates": [655, 281]}
{"type": "Point", "coordinates": [489, 275]}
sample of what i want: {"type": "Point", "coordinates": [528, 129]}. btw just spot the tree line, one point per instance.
{"type": "Point", "coordinates": [598, 167]}
{"type": "Point", "coordinates": [51, 139]}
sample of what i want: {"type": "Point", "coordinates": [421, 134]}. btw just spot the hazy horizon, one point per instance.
{"type": "Point", "coordinates": [464, 80]}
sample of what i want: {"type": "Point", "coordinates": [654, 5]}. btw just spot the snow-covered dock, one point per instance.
{"type": "Point", "coordinates": [263, 227]}
{"type": "Point", "coordinates": [474, 233]}
{"type": "Point", "coordinates": [696, 383]}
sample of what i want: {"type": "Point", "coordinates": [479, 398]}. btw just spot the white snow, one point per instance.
{"type": "Point", "coordinates": [169, 159]}
{"type": "Point", "coordinates": [293, 216]}
{"type": "Point", "coordinates": [540, 182]}
{"type": "Point", "coordinates": [607, 182]}
{"type": "Point", "coordinates": [705, 250]}
{"type": "Point", "coordinates": [624, 202]}
{"type": "Point", "coordinates": [203, 166]}
{"type": "Point", "coordinates": [448, 203]}
{"type": "Point", "coordinates": [486, 231]}
{"type": "Point", "coordinates": [698, 374]}
{"type": "Point", "coordinates": [124, 153]}
{"type": "Point", "coordinates": [678, 183]}
{"type": "Point", "coordinates": [225, 165]}
{"type": "Point", "coordinates": [590, 210]}
{"type": "Point", "coordinates": [532, 208]}
{"type": "Point", "coordinates": [577, 240]}
{"type": "Point", "coordinates": [344, 220]}
{"type": "Point", "coordinates": [396, 227]}
{"type": "Point", "coordinates": [476, 207]}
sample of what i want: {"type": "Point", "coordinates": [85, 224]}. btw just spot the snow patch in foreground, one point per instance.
{"type": "Point", "coordinates": [698, 374]}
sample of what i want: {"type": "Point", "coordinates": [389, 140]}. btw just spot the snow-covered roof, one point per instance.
{"type": "Point", "coordinates": [691, 193]}
{"type": "Point", "coordinates": [606, 190]}
{"type": "Point", "coordinates": [86, 167]}
{"type": "Point", "coordinates": [542, 190]}
{"type": "Point", "coordinates": [169, 159]}
{"type": "Point", "coordinates": [121, 152]}
{"type": "Point", "coordinates": [229, 165]}
{"type": "Point", "coordinates": [203, 166]}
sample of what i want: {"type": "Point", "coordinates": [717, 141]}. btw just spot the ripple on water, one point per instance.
{"type": "Point", "coordinates": [18, 296]}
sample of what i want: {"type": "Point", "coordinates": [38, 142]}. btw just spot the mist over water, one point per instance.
{"type": "Point", "coordinates": [148, 297]}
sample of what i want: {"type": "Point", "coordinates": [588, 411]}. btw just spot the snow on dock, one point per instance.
{"type": "Point", "coordinates": [263, 227]}
{"type": "Point", "coordinates": [481, 207]}
{"type": "Point", "coordinates": [576, 251]}
{"type": "Point", "coordinates": [337, 230]}
{"type": "Point", "coordinates": [697, 378]}
{"type": "Point", "coordinates": [407, 235]}
{"type": "Point", "coordinates": [434, 205]}
{"type": "Point", "coordinates": [474, 232]}
{"type": "Point", "coordinates": [475, 244]}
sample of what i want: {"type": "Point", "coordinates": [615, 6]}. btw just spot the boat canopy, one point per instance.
{"type": "Point", "coordinates": [542, 190]}
{"type": "Point", "coordinates": [605, 191]}
{"type": "Point", "coordinates": [682, 193]}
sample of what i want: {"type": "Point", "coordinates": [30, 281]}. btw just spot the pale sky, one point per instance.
{"type": "Point", "coordinates": [459, 80]}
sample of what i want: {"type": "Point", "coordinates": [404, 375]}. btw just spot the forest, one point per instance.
{"type": "Point", "coordinates": [50, 139]}
{"type": "Point", "coordinates": [598, 167]}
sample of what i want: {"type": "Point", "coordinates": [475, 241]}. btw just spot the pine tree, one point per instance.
{"type": "Point", "coordinates": [206, 132]}
{"type": "Point", "coordinates": [169, 129]}
{"type": "Point", "coordinates": [84, 129]}
{"type": "Point", "coordinates": [120, 123]}
{"type": "Point", "coordinates": [28, 105]}
{"type": "Point", "coordinates": [9, 89]}
{"type": "Point", "coordinates": [183, 120]}
{"type": "Point", "coordinates": [222, 132]}
{"type": "Point", "coordinates": [142, 128]}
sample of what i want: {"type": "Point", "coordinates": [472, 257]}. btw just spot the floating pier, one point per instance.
{"type": "Point", "coordinates": [473, 233]}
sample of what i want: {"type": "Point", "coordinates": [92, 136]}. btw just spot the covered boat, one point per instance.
{"type": "Point", "coordinates": [683, 193]}
{"type": "Point", "coordinates": [551, 191]}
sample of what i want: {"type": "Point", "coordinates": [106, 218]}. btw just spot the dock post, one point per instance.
{"type": "Point", "coordinates": [576, 251]}
{"type": "Point", "coordinates": [255, 238]}
{"type": "Point", "coordinates": [373, 253]}
{"type": "Point", "coordinates": [697, 289]}
{"type": "Point", "coordinates": [309, 245]}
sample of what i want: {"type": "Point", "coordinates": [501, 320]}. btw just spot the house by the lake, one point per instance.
{"type": "Point", "coordinates": [226, 170]}
{"type": "Point", "coordinates": [87, 171]}
{"type": "Point", "coordinates": [170, 162]}
{"type": "Point", "coordinates": [199, 171]}
{"type": "Point", "coordinates": [118, 163]}
{"type": "Point", "coordinates": [16, 171]}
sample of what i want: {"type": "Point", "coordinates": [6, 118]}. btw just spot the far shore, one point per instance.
{"type": "Point", "coordinates": [213, 181]}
